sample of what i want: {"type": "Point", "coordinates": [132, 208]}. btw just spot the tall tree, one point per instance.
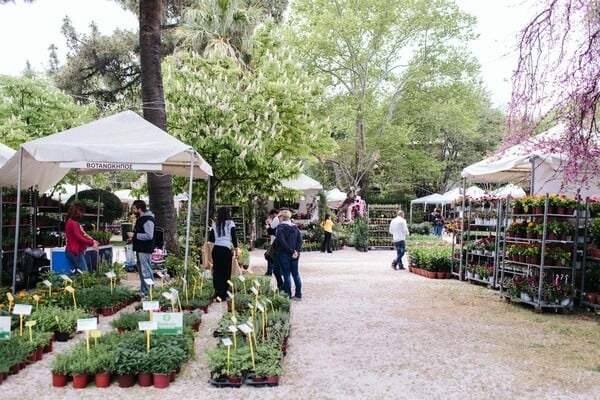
{"type": "Point", "coordinates": [557, 81]}
{"type": "Point", "coordinates": [364, 46]}
{"type": "Point", "coordinates": [160, 187]}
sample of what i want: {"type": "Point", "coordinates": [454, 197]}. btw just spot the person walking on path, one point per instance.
{"type": "Point", "coordinates": [77, 240]}
{"type": "Point", "coordinates": [142, 238]}
{"type": "Point", "coordinates": [399, 231]}
{"type": "Point", "coordinates": [327, 226]}
{"type": "Point", "coordinates": [437, 220]}
{"type": "Point", "coordinates": [223, 236]}
{"type": "Point", "coordinates": [272, 265]}
{"type": "Point", "coordinates": [289, 245]}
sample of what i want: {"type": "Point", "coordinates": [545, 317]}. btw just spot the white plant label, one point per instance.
{"type": "Point", "coordinates": [147, 325]}
{"type": "Point", "coordinates": [22, 309]}
{"type": "Point", "coordinates": [160, 274]}
{"type": "Point", "coordinates": [227, 341]}
{"type": "Point", "coordinates": [87, 324]}
{"type": "Point", "coordinates": [66, 278]}
{"type": "Point", "coordinates": [174, 292]}
{"type": "Point", "coordinates": [256, 283]}
{"type": "Point", "coordinates": [5, 328]}
{"type": "Point", "coordinates": [150, 305]}
{"type": "Point", "coordinates": [47, 283]}
{"type": "Point", "coordinates": [149, 282]}
{"type": "Point", "coordinates": [232, 328]}
{"type": "Point", "coordinates": [167, 295]}
{"type": "Point", "coordinates": [110, 274]}
{"type": "Point", "coordinates": [229, 294]}
{"type": "Point", "coordinates": [253, 289]}
{"type": "Point", "coordinates": [241, 278]}
{"type": "Point", "coordinates": [245, 328]}
{"type": "Point", "coordinates": [260, 307]}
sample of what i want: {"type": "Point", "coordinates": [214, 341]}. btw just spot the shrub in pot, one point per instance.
{"type": "Point", "coordinates": [268, 360]}
{"type": "Point", "coordinates": [60, 367]}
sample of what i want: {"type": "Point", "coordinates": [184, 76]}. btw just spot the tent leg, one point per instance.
{"type": "Point", "coordinates": [189, 220]}
{"type": "Point", "coordinates": [18, 218]}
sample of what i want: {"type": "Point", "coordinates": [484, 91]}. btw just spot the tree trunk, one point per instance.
{"type": "Point", "coordinates": [160, 187]}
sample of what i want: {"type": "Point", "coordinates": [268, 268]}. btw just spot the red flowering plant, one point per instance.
{"type": "Point", "coordinates": [559, 289]}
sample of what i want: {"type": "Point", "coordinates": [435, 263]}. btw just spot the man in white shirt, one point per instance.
{"type": "Point", "coordinates": [399, 231]}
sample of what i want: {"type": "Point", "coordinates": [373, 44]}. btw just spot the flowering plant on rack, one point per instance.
{"type": "Point", "coordinates": [559, 289]}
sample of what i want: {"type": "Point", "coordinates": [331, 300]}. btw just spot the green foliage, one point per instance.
{"type": "Point", "coordinates": [436, 258]}
{"type": "Point", "coordinates": [594, 232]}
{"type": "Point", "coordinates": [360, 233]}
{"type": "Point", "coordinates": [32, 108]}
{"type": "Point", "coordinates": [129, 320]}
{"type": "Point", "coordinates": [420, 229]}
{"type": "Point", "coordinates": [110, 203]}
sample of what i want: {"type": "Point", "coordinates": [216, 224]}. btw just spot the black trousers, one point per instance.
{"type": "Point", "coordinates": [222, 257]}
{"type": "Point", "coordinates": [326, 245]}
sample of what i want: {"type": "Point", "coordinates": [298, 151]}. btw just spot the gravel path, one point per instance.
{"type": "Point", "coordinates": [365, 331]}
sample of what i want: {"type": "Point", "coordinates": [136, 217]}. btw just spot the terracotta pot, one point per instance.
{"type": "Point", "coordinates": [272, 379]}
{"type": "Point", "coordinates": [40, 353]}
{"type": "Point", "coordinates": [144, 379]}
{"type": "Point", "coordinates": [173, 376]}
{"type": "Point", "coordinates": [14, 369]}
{"type": "Point", "coordinates": [107, 311]}
{"type": "Point", "coordinates": [80, 381]}
{"type": "Point", "coordinates": [440, 275]}
{"type": "Point", "coordinates": [32, 357]}
{"type": "Point", "coordinates": [234, 379]}
{"type": "Point", "coordinates": [59, 380]}
{"type": "Point", "coordinates": [127, 380]}
{"type": "Point", "coordinates": [161, 381]}
{"type": "Point", "coordinates": [102, 380]}
{"type": "Point", "coordinates": [48, 348]}
{"type": "Point", "coordinates": [196, 326]}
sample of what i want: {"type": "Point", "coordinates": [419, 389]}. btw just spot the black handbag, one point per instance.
{"type": "Point", "coordinates": [270, 253]}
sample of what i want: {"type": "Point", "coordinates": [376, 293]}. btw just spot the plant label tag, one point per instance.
{"type": "Point", "coordinates": [96, 334]}
{"type": "Point", "coordinates": [226, 341]}
{"type": "Point", "coordinates": [229, 283]}
{"type": "Point", "coordinates": [5, 328]}
{"type": "Point", "coordinates": [218, 299]}
{"type": "Point", "coordinates": [230, 294]}
{"type": "Point", "coordinates": [150, 305]}
{"type": "Point", "coordinates": [160, 274]}
{"type": "Point", "coordinates": [36, 297]}
{"type": "Point", "coordinates": [241, 278]}
{"type": "Point", "coordinates": [183, 280]}
{"type": "Point", "coordinates": [30, 323]}
{"type": "Point", "coordinates": [250, 324]}
{"type": "Point", "coordinates": [10, 297]}
{"type": "Point", "coordinates": [147, 325]}
{"type": "Point", "coordinates": [167, 295]}
{"type": "Point", "coordinates": [66, 278]}
{"type": "Point", "coordinates": [47, 283]}
{"type": "Point", "coordinates": [70, 289]}
{"type": "Point", "coordinates": [168, 323]}
{"type": "Point", "coordinates": [260, 307]}
{"type": "Point", "coordinates": [245, 328]}
{"type": "Point", "coordinates": [250, 305]}
{"type": "Point", "coordinates": [253, 289]}
{"type": "Point", "coordinates": [87, 324]}
{"type": "Point", "coordinates": [232, 328]}
{"type": "Point", "coordinates": [110, 274]}
{"type": "Point", "coordinates": [149, 281]}
{"type": "Point", "coordinates": [256, 283]}
{"type": "Point", "coordinates": [269, 301]}
{"type": "Point", "coordinates": [234, 319]}
{"type": "Point", "coordinates": [79, 271]}
{"type": "Point", "coordinates": [174, 292]}
{"type": "Point", "coordinates": [22, 309]}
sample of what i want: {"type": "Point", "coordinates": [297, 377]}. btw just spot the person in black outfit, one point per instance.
{"type": "Point", "coordinates": [143, 242]}
{"type": "Point", "coordinates": [223, 236]}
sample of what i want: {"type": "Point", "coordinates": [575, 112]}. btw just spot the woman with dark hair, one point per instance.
{"type": "Point", "coordinates": [222, 234]}
{"type": "Point", "coordinates": [327, 225]}
{"type": "Point", "coordinates": [77, 241]}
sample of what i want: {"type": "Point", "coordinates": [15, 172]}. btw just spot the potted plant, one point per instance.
{"type": "Point", "coordinates": [594, 238]}
{"type": "Point", "coordinates": [164, 359]}
{"type": "Point", "coordinates": [129, 361]}
{"type": "Point", "coordinates": [102, 364]}
{"type": "Point", "coordinates": [128, 321]}
{"type": "Point", "coordinates": [268, 363]}
{"type": "Point", "coordinates": [81, 368]}
{"type": "Point", "coordinates": [192, 319]}
{"type": "Point", "coordinates": [60, 367]}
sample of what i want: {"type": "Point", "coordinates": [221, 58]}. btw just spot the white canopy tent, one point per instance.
{"type": "Point", "coordinates": [125, 196]}
{"type": "Point", "coordinates": [124, 141]}
{"type": "Point", "coordinates": [305, 183]}
{"type": "Point", "coordinates": [67, 191]}
{"type": "Point", "coordinates": [526, 162]}
{"type": "Point", "coordinates": [5, 153]}
{"type": "Point", "coordinates": [514, 191]}
{"type": "Point", "coordinates": [434, 198]}
{"type": "Point", "coordinates": [335, 198]}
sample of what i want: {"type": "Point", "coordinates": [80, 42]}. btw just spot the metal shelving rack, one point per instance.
{"type": "Point", "coordinates": [379, 218]}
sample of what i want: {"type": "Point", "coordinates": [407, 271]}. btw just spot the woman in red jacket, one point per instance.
{"type": "Point", "coordinates": [77, 241]}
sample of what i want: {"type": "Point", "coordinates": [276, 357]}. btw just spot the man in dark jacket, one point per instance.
{"type": "Point", "coordinates": [143, 242]}
{"type": "Point", "coordinates": [289, 245]}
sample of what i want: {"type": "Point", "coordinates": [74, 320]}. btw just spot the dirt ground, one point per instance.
{"type": "Point", "coordinates": [365, 331]}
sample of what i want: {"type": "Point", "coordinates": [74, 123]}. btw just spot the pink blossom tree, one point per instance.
{"type": "Point", "coordinates": [557, 81]}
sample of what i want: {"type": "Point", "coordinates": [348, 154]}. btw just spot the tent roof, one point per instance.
{"type": "Point", "coordinates": [124, 141]}
{"type": "Point", "coordinates": [473, 192]}
{"type": "Point", "coordinates": [514, 163]}
{"type": "Point", "coordinates": [5, 153]}
{"type": "Point", "coordinates": [304, 183]}
{"type": "Point", "coordinates": [511, 190]}
{"type": "Point", "coordinates": [334, 195]}
{"type": "Point", "coordinates": [434, 198]}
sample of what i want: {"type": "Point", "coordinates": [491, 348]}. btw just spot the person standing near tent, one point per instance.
{"type": "Point", "coordinates": [289, 245]}
{"type": "Point", "coordinates": [399, 231]}
{"type": "Point", "coordinates": [437, 221]}
{"type": "Point", "coordinates": [77, 240]}
{"type": "Point", "coordinates": [327, 225]}
{"type": "Point", "coordinates": [143, 242]}
{"type": "Point", "coordinates": [272, 265]}
{"type": "Point", "coordinates": [222, 234]}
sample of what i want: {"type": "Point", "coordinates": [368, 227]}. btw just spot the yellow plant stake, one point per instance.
{"type": "Point", "coordinates": [187, 299]}
{"type": "Point", "coordinates": [227, 342]}
{"type": "Point", "coordinates": [230, 294]}
{"type": "Point", "coordinates": [248, 331]}
{"type": "Point", "coordinates": [96, 334]}
{"type": "Point", "coordinates": [243, 283]}
{"type": "Point", "coordinates": [87, 340]}
{"type": "Point", "coordinates": [72, 291]}
{"type": "Point", "coordinates": [37, 300]}
{"type": "Point", "coordinates": [11, 300]}
{"type": "Point", "coordinates": [29, 324]}
{"type": "Point", "coordinates": [20, 324]}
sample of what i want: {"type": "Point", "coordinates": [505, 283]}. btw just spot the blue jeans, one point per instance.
{"type": "Point", "coordinates": [274, 269]}
{"type": "Point", "coordinates": [144, 271]}
{"type": "Point", "coordinates": [437, 230]}
{"type": "Point", "coordinates": [289, 271]}
{"type": "Point", "coordinates": [400, 250]}
{"type": "Point", "coordinates": [76, 262]}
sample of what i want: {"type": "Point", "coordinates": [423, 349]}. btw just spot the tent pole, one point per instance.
{"type": "Point", "coordinates": [532, 182]}
{"type": "Point", "coordinates": [1, 229]}
{"type": "Point", "coordinates": [77, 184]}
{"type": "Point", "coordinates": [410, 214]}
{"type": "Point", "coordinates": [206, 223]}
{"type": "Point", "coordinates": [189, 220]}
{"type": "Point", "coordinates": [18, 218]}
